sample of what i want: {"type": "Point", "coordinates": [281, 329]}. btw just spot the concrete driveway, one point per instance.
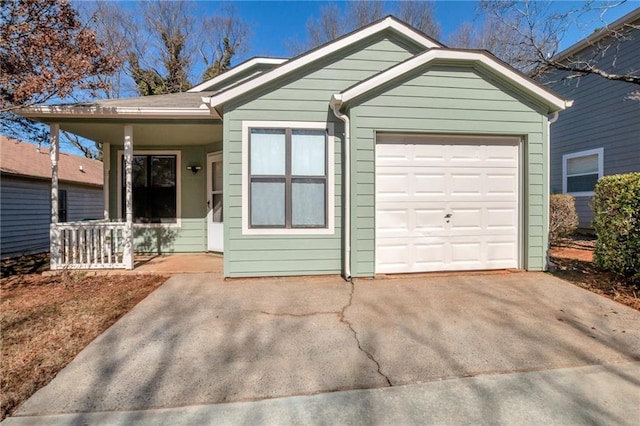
{"type": "Point", "coordinates": [201, 340]}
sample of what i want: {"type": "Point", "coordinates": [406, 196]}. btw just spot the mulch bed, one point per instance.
{"type": "Point", "coordinates": [572, 260]}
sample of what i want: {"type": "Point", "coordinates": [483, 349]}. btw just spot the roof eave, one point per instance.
{"type": "Point", "coordinates": [590, 40]}
{"type": "Point", "coordinates": [553, 102]}
{"type": "Point", "coordinates": [253, 62]}
{"type": "Point", "coordinates": [48, 112]}
{"type": "Point", "coordinates": [387, 23]}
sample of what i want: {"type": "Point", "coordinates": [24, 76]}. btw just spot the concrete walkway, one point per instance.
{"type": "Point", "coordinates": [571, 396]}
{"type": "Point", "coordinates": [199, 340]}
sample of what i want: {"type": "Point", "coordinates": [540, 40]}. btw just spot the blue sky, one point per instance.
{"type": "Point", "coordinates": [274, 22]}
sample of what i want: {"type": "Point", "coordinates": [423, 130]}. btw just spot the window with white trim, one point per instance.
{"type": "Point", "coordinates": [581, 171]}
{"type": "Point", "coordinates": [287, 178]}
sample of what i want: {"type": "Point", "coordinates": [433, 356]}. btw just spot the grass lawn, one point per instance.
{"type": "Point", "coordinates": [47, 320]}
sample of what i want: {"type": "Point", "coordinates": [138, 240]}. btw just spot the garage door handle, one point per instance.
{"type": "Point", "coordinates": [447, 216]}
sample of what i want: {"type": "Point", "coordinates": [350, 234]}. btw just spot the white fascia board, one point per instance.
{"type": "Point", "coordinates": [296, 63]}
{"type": "Point", "coordinates": [115, 112]}
{"type": "Point", "coordinates": [234, 71]}
{"type": "Point", "coordinates": [462, 56]}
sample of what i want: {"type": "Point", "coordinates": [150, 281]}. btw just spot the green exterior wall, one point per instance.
{"type": "Point", "coordinates": [191, 236]}
{"type": "Point", "coordinates": [301, 97]}
{"type": "Point", "coordinates": [448, 100]}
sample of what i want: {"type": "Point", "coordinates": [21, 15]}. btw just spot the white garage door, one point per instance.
{"type": "Point", "coordinates": [445, 204]}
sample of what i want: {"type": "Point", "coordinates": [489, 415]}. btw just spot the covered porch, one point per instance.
{"type": "Point", "coordinates": [159, 192]}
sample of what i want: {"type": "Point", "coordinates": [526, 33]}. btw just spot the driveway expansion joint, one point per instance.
{"type": "Point", "coordinates": [355, 334]}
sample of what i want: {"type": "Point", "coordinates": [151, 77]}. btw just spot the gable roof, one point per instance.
{"type": "Point", "coordinates": [26, 159]}
{"type": "Point", "coordinates": [480, 58]}
{"type": "Point", "coordinates": [245, 67]}
{"type": "Point", "coordinates": [388, 23]}
{"type": "Point", "coordinates": [589, 41]}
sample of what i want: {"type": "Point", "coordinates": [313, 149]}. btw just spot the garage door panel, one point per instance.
{"type": "Point", "coordinates": [392, 220]}
{"type": "Point", "coordinates": [418, 185]}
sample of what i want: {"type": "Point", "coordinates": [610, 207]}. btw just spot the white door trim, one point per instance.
{"type": "Point", "coordinates": [215, 231]}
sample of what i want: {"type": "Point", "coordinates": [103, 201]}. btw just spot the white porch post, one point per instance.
{"type": "Point", "coordinates": [128, 160]}
{"type": "Point", "coordinates": [106, 167]}
{"type": "Point", "coordinates": [54, 233]}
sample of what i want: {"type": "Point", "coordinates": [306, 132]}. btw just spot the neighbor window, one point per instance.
{"type": "Point", "coordinates": [62, 205]}
{"type": "Point", "coordinates": [581, 171]}
{"type": "Point", "coordinates": [154, 179]}
{"type": "Point", "coordinates": [287, 178]}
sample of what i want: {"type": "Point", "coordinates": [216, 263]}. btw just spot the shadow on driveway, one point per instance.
{"type": "Point", "coordinates": [201, 340]}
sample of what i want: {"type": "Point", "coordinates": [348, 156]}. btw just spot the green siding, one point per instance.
{"type": "Point", "coordinates": [448, 100]}
{"type": "Point", "coordinates": [301, 97]}
{"type": "Point", "coordinates": [191, 236]}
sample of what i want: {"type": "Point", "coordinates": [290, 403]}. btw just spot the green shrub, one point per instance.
{"type": "Point", "coordinates": [563, 219]}
{"type": "Point", "coordinates": [616, 207]}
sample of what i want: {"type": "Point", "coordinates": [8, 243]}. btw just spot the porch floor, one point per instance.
{"type": "Point", "coordinates": [166, 264]}
{"type": "Point", "coordinates": [180, 263]}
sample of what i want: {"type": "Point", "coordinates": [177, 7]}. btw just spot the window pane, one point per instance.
{"type": "Point", "coordinates": [308, 204]}
{"type": "Point", "coordinates": [138, 169]}
{"type": "Point", "coordinates": [163, 171]}
{"type": "Point", "coordinates": [267, 204]}
{"type": "Point", "coordinates": [267, 152]}
{"type": "Point", "coordinates": [154, 189]}
{"type": "Point", "coordinates": [217, 208]}
{"type": "Point", "coordinates": [584, 183]}
{"type": "Point", "coordinates": [579, 165]}
{"type": "Point", "coordinates": [308, 152]}
{"type": "Point", "coordinates": [216, 176]}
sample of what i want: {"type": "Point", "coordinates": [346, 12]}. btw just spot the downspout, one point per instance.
{"type": "Point", "coordinates": [336, 103]}
{"type": "Point", "coordinates": [552, 118]}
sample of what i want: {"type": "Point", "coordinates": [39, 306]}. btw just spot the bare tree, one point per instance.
{"type": "Point", "coordinates": [334, 22]}
{"type": "Point", "coordinates": [226, 38]}
{"type": "Point", "coordinates": [420, 15]}
{"type": "Point", "coordinates": [536, 30]}
{"type": "Point", "coordinates": [116, 29]}
{"type": "Point", "coordinates": [168, 45]}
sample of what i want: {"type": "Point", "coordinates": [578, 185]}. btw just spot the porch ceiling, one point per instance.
{"type": "Point", "coordinates": [149, 133]}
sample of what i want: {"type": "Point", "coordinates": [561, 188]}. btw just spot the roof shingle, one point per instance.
{"type": "Point", "coordinates": [25, 159]}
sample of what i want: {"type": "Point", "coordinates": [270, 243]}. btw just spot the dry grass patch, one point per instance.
{"type": "Point", "coordinates": [47, 320]}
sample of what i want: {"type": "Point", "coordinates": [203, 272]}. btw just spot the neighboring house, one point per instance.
{"type": "Point", "coordinates": [25, 195]}
{"type": "Point", "coordinates": [379, 152]}
{"type": "Point", "coordinates": [600, 134]}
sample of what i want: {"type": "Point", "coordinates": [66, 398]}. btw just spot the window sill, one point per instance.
{"type": "Point", "coordinates": [581, 194]}
{"type": "Point", "coordinates": [283, 231]}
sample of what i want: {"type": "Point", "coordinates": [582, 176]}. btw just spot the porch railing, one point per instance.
{"type": "Point", "coordinates": [98, 244]}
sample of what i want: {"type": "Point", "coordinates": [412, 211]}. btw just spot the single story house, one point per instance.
{"type": "Point", "coordinates": [25, 195]}
{"type": "Point", "coordinates": [379, 152]}
{"type": "Point", "coordinates": [600, 134]}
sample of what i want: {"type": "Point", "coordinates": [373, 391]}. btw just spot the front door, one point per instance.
{"type": "Point", "coordinates": [214, 202]}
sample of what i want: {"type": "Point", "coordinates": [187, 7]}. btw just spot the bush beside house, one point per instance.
{"type": "Point", "coordinates": [616, 206]}
{"type": "Point", "coordinates": [563, 219]}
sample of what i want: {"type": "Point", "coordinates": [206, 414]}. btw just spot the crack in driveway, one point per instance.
{"type": "Point", "coordinates": [355, 334]}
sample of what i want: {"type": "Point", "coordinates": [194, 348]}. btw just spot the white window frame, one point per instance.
{"type": "Point", "coordinates": [303, 125]}
{"type": "Point", "coordinates": [178, 222]}
{"type": "Point", "coordinates": [567, 157]}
